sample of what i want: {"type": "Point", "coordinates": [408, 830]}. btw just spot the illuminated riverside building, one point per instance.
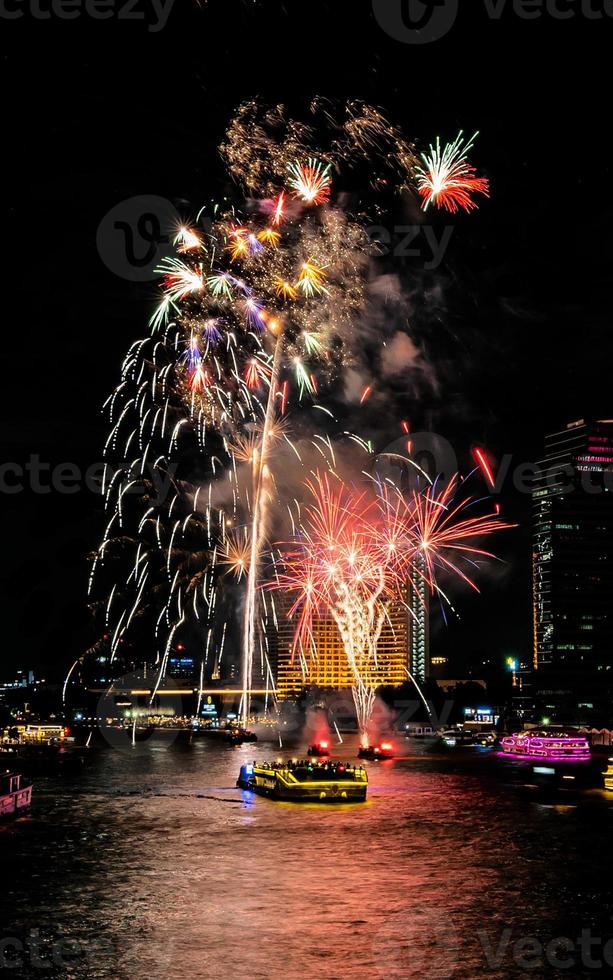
{"type": "Point", "coordinates": [401, 635]}
{"type": "Point", "coordinates": [573, 567]}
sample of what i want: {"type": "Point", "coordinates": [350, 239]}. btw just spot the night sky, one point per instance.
{"type": "Point", "coordinates": [98, 112]}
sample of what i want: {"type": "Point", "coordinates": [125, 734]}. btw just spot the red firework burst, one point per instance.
{"type": "Point", "coordinates": [447, 179]}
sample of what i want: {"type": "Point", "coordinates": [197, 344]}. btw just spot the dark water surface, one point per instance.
{"type": "Point", "coordinates": [150, 863]}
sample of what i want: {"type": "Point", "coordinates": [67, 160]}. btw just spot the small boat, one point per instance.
{"type": "Point", "coordinates": [484, 739]}
{"type": "Point", "coordinates": [141, 733]}
{"type": "Point", "coordinates": [15, 798]}
{"type": "Point", "coordinates": [320, 749]}
{"type": "Point", "coordinates": [419, 731]}
{"type": "Point", "coordinates": [549, 744]}
{"type": "Point", "coordinates": [229, 734]}
{"type": "Point", "coordinates": [305, 781]}
{"type": "Point", "coordinates": [384, 750]}
{"type": "Point", "coordinates": [457, 736]}
{"type": "Point", "coordinates": [236, 736]}
{"type": "Point", "coordinates": [246, 735]}
{"type": "Point", "coordinates": [38, 758]}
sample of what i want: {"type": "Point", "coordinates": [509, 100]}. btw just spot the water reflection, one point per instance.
{"type": "Point", "coordinates": [152, 863]}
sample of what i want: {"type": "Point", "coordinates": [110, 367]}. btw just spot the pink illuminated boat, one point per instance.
{"type": "Point", "coordinates": [15, 797]}
{"type": "Point", "coordinates": [550, 744]}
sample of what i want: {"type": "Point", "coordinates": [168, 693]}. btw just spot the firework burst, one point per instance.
{"type": "Point", "coordinates": [180, 279]}
{"type": "Point", "coordinates": [186, 240]}
{"type": "Point", "coordinates": [256, 372]}
{"type": "Point", "coordinates": [445, 533]}
{"type": "Point", "coordinates": [256, 315]}
{"type": "Point", "coordinates": [335, 568]}
{"type": "Point", "coordinates": [354, 555]}
{"type": "Point", "coordinates": [311, 181]}
{"type": "Point", "coordinates": [446, 178]}
{"type": "Point", "coordinates": [235, 554]}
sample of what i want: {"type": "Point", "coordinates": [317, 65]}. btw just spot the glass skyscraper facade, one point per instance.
{"type": "Point", "coordinates": [573, 565]}
{"type": "Point", "coordinates": [419, 622]}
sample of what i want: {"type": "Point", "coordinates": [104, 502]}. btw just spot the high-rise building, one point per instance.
{"type": "Point", "coordinates": [328, 667]}
{"type": "Point", "coordinates": [182, 666]}
{"type": "Point", "coordinates": [419, 623]}
{"type": "Point", "coordinates": [573, 565]}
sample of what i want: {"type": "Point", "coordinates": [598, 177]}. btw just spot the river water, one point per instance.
{"type": "Point", "coordinates": [151, 863]}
